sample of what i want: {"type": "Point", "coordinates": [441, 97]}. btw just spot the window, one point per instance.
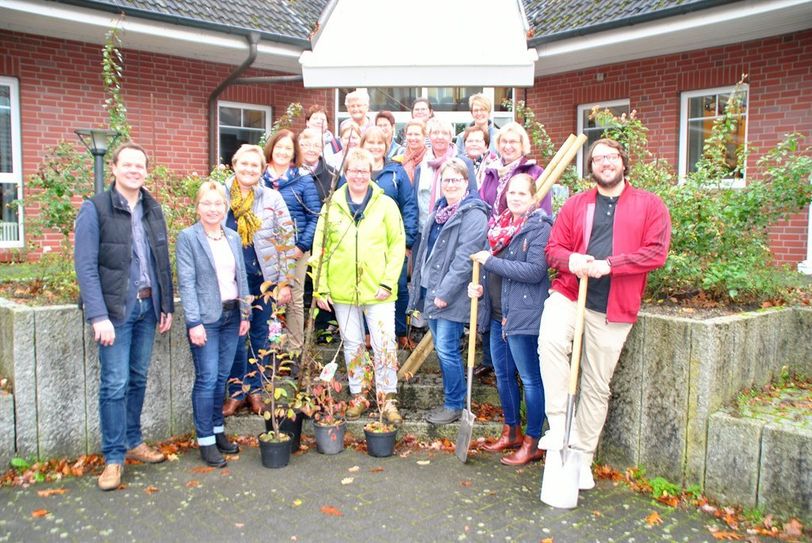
{"type": "Point", "coordinates": [11, 223]}
{"type": "Point", "coordinates": [239, 124]}
{"type": "Point", "coordinates": [592, 129]}
{"type": "Point", "coordinates": [450, 103]}
{"type": "Point", "coordinates": [698, 111]}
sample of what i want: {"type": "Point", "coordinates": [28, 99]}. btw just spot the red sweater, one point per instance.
{"type": "Point", "coordinates": [641, 236]}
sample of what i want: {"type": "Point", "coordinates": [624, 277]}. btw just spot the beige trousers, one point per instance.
{"type": "Point", "coordinates": [294, 312]}
{"type": "Point", "coordinates": [603, 342]}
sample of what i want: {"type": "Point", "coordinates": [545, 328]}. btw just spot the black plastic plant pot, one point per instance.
{"type": "Point", "coordinates": [329, 439]}
{"type": "Point", "coordinates": [275, 454]}
{"type": "Point", "coordinates": [381, 444]}
{"type": "Point", "coordinates": [292, 427]}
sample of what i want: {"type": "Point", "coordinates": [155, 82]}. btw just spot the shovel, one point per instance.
{"type": "Point", "coordinates": [559, 484]}
{"type": "Point", "coordinates": [467, 419]}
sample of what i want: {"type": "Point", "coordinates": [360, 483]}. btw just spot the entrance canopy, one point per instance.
{"type": "Point", "coordinates": [436, 43]}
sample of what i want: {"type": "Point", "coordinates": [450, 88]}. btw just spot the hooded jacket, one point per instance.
{"type": "Point", "coordinates": [302, 199]}
{"type": "Point", "coordinates": [359, 256]}
{"type": "Point", "coordinates": [447, 270]}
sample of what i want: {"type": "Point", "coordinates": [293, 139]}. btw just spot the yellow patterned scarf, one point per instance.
{"type": "Point", "coordinates": [247, 222]}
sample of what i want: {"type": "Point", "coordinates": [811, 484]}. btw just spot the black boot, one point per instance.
{"type": "Point", "coordinates": [225, 446]}
{"type": "Point", "coordinates": [212, 456]}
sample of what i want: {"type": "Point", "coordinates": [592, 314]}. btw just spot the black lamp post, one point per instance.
{"type": "Point", "coordinates": [97, 141]}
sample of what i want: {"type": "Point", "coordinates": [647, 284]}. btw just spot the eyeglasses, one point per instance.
{"type": "Point", "coordinates": [611, 157]}
{"type": "Point", "coordinates": [454, 180]}
{"type": "Point", "coordinates": [310, 146]}
{"type": "Point", "coordinates": [358, 173]}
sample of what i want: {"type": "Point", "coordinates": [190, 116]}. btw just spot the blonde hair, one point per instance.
{"type": "Point", "coordinates": [247, 148]}
{"type": "Point", "coordinates": [210, 186]}
{"type": "Point", "coordinates": [357, 154]}
{"type": "Point", "coordinates": [415, 122]}
{"type": "Point", "coordinates": [436, 124]}
{"type": "Point", "coordinates": [373, 133]}
{"type": "Point", "coordinates": [518, 129]}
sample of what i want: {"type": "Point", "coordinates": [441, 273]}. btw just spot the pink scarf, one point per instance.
{"type": "Point", "coordinates": [436, 164]}
{"type": "Point", "coordinates": [505, 173]}
{"type": "Point", "coordinates": [502, 229]}
{"type": "Point", "coordinates": [410, 161]}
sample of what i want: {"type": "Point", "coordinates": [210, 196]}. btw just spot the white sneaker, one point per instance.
{"type": "Point", "coordinates": [585, 479]}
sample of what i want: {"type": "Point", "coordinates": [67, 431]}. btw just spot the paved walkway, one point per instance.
{"type": "Point", "coordinates": [418, 496]}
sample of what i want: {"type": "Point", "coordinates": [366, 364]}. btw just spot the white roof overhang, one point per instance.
{"type": "Point", "coordinates": [712, 27]}
{"type": "Point", "coordinates": [457, 43]}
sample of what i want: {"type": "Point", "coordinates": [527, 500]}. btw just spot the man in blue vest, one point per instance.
{"type": "Point", "coordinates": [125, 279]}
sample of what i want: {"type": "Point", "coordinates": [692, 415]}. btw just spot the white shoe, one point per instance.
{"type": "Point", "coordinates": [585, 479]}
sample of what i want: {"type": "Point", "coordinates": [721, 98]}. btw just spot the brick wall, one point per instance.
{"type": "Point", "coordinates": [780, 79]}
{"type": "Point", "coordinates": [166, 98]}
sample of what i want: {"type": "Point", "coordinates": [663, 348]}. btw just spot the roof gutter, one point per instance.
{"type": "Point", "coordinates": [253, 40]}
{"type": "Point", "coordinates": [621, 23]}
{"type": "Point", "coordinates": [188, 22]}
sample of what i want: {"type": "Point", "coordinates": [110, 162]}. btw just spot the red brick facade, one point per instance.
{"type": "Point", "coordinates": [166, 97]}
{"type": "Point", "coordinates": [780, 101]}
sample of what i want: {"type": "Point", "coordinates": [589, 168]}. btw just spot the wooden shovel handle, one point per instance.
{"type": "Point", "coordinates": [577, 338]}
{"type": "Point", "coordinates": [472, 323]}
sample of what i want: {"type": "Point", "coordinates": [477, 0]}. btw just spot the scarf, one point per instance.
{"type": "Point", "coordinates": [505, 172]}
{"type": "Point", "coordinates": [411, 159]}
{"type": "Point", "coordinates": [436, 165]}
{"type": "Point", "coordinates": [446, 211]}
{"type": "Point", "coordinates": [502, 228]}
{"type": "Point", "coordinates": [242, 206]}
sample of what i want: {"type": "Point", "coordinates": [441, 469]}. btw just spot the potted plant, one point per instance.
{"type": "Point", "coordinates": [380, 435]}
{"type": "Point", "coordinates": [329, 425]}
{"type": "Point", "coordinates": [277, 386]}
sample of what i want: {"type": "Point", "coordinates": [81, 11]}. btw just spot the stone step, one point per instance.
{"type": "Point", "coordinates": [413, 424]}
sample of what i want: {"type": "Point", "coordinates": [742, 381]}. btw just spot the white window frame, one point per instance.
{"type": "Point", "coordinates": [685, 96]}
{"type": "Point", "coordinates": [242, 105]}
{"type": "Point", "coordinates": [16, 175]}
{"type": "Point", "coordinates": [579, 164]}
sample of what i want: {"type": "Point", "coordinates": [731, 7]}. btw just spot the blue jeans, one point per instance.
{"type": "Point", "coordinates": [123, 382]}
{"type": "Point", "coordinates": [486, 350]}
{"type": "Point", "coordinates": [212, 363]}
{"type": "Point", "coordinates": [446, 335]}
{"type": "Point", "coordinates": [402, 303]}
{"type": "Point", "coordinates": [518, 352]}
{"type": "Point", "coordinates": [258, 339]}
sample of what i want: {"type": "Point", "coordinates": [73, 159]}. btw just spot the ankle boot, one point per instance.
{"type": "Point", "coordinates": [212, 456]}
{"type": "Point", "coordinates": [528, 452]}
{"type": "Point", "coordinates": [511, 438]}
{"type": "Point", "coordinates": [224, 445]}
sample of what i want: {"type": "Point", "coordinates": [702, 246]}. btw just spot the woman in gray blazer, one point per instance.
{"type": "Point", "coordinates": [214, 294]}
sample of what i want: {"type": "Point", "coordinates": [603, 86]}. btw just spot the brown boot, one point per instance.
{"type": "Point", "coordinates": [256, 404]}
{"type": "Point", "coordinates": [358, 406]}
{"type": "Point", "coordinates": [231, 406]}
{"type": "Point", "coordinates": [511, 438]}
{"type": "Point", "coordinates": [390, 409]}
{"type": "Point", "coordinates": [528, 452]}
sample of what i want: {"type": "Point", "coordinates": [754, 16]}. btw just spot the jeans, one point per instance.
{"type": "Point", "coordinates": [212, 363]}
{"type": "Point", "coordinates": [518, 352]}
{"type": "Point", "coordinates": [380, 319]}
{"type": "Point", "coordinates": [446, 336]}
{"type": "Point", "coordinates": [258, 339]}
{"type": "Point", "coordinates": [402, 303]}
{"type": "Point", "coordinates": [123, 382]}
{"type": "Point", "coordinates": [486, 351]}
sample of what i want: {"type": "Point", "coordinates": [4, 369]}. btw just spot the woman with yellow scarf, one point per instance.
{"type": "Point", "coordinates": [261, 218]}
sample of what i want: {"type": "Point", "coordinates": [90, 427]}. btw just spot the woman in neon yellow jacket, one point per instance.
{"type": "Point", "coordinates": [363, 252]}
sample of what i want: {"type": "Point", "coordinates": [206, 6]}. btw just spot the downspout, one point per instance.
{"type": "Point", "coordinates": [253, 40]}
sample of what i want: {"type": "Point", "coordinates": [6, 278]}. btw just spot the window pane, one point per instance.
{"type": "Point", "coordinates": [232, 138]}
{"type": "Point", "coordinates": [6, 164]}
{"type": "Point", "coordinates": [500, 94]}
{"type": "Point", "coordinates": [5, 96]}
{"type": "Point", "coordinates": [703, 111]}
{"type": "Point", "coordinates": [229, 116]}
{"type": "Point", "coordinates": [9, 221]}
{"type": "Point", "coordinates": [451, 98]}
{"type": "Point", "coordinates": [391, 98]}
{"type": "Point", "coordinates": [253, 118]}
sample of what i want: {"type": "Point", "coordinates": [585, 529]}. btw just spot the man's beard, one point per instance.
{"type": "Point", "coordinates": [608, 184]}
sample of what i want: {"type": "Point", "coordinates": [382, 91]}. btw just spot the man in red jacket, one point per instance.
{"type": "Point", "coordinates": [614, 234]}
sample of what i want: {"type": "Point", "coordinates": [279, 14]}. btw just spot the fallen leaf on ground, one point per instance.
{"type": "Point", "coordinates": [239, 525]}
{"type": "Point", "coordinates": [331, 511]}
{"type": "Point", "coordinates": [202, 469]}
{"type": "Point", "coordinates": [151, 489]}
{"type": "Point", "coordinates": [39, 513]}
{"type": "Point", "coordinates": [597, 513]}
{"type": "Point", "coordinates": [726, 536]}
{"type": "Point", "coordinates": [193, 483]}
{"type": "Point", "coordinates": [466, 483]}
{"type": "Point", "coordinates": [225, 472]}
{"type": "Point", "coordinates": [297, 502]}
{"type": "Point", "coordinates": [654, 518]}
{"type": "Point", "coordinates": [547, 540]}
{"type": "Point", "coordinates": [51, 492]}
{"type": "Point", "coordinates": [353, 469]}
{"type": "Point", "coordinates": [423, 462]}
{"type": "Point", "coordinates": [347, 480]}
{"type": "Point", "coordinates": [376, 469]}
{"type": "Point", "coordinates": [231, 457]}
{"type": "Point", "coordinates": [793, 528]}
